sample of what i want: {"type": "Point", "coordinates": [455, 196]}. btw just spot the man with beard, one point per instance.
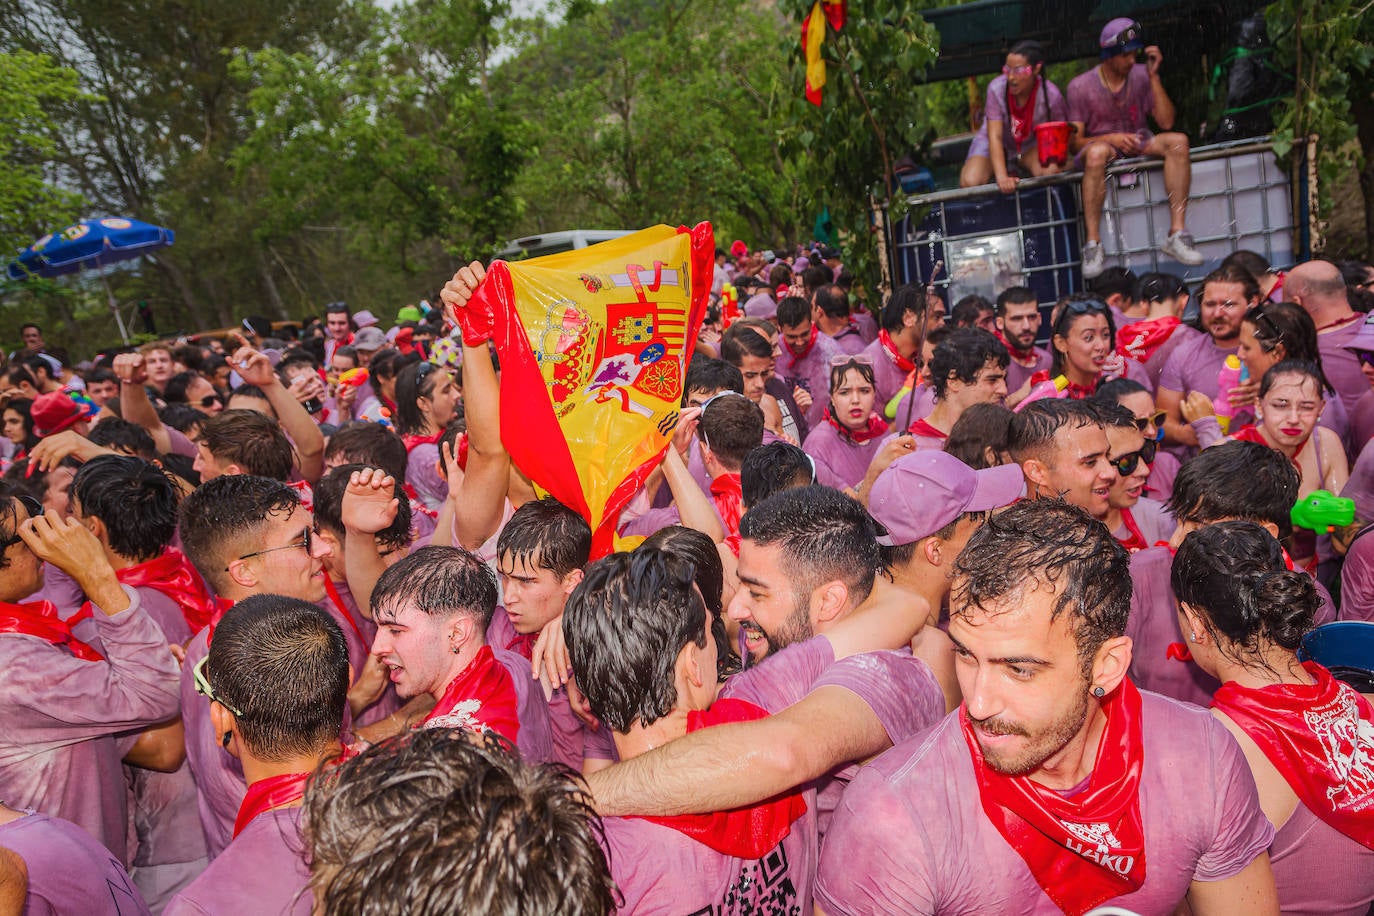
{"type": "Point", "coordinates": [1227, 293]}
{"type": "Point", "coordinates": [1058, 786]}
{"type": "Point", "coordinates": [1018, 324]}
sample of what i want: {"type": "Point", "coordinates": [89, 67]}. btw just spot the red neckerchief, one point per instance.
{"type": "Point", "coordinates": [922, 427]}
{"type": "Point", "coordinates": [417, 505]}
{"type": "Point", "coordinates": [728, 497]}
{"type": "Point", "coordinates": [1340, 322]}
{"type": "Point", "coordinates": [1134, 540]}
{"type": "Point", "coordinates": [745, 833]}
{"type": "Point", "coordinates": [1021, 356]}
{"type": "Point", "coordinates": [1022, 116]}
{"type": "Point", "coordinates": [411, 442]}
{"type": "Point", "coordinates": [875, 427]}
{"type": "Point", "coordinates": [221, 606]}
{"type": "Point", "coordinates": [342, 608]}
{"type": "Point", "coordinates": [811, 343]}
{"type": "Point", "coordinates": [523, 643]}
{"type": "Point", "coordinates": [1087, 849]}
{"type": "Point", "coordinates": [307, 494]}
{"type": "Point", "coordinates": [1252, 433]}
{"type": "Point", "coordinates": [276, 792]}
{"type": "Point", "coordinates": [480, 699]}
{"type": "Point", "coordinates": [893, 353]}
{"type": "Point", "coordinates": [39, 618]}
{"type": "Point", "coordinates": [1139, 341]}
{"type": "Point", "coordinates": [1313, 737]}
{"type": "Point", "coordinates": [173, 575]}
{"type": "Point", "coordinates": [1074, 391]}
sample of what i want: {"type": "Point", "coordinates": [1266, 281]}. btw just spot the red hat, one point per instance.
{"type": "Point", "coordinates": [403, 340]}
{"type": "Point", "coordinates": [738, 249]}
{"type": "Point", "coordinates": [54, 412]}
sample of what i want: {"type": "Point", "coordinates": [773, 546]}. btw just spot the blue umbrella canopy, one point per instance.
{"type": "Point", "coordinates": [89, 244]}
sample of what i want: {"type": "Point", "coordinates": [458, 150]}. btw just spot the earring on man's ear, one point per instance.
{"type": "Point", "coordinates": [228, 736]}
{"type": "Point", "coordinates": [1099, 691]}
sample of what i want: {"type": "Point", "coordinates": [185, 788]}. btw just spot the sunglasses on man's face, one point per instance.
{"type": "Point", "coordinates": [1366, 357]}
{"type": "Point", "coordinates": [1126, 464]}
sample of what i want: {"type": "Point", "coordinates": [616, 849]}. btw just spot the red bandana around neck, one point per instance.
{"type": "Point", "coordinates": [481, 698]}
{"type": "Point", "coordinates": [1133, 540]}
{"type": "Point", "coordinates": [1022, 116]}
{"type": "Point", "coordinates": [39, 618]}
{"type": "Point", "coordinates": [337, 600]}
{"type": "Point", "coordinates": [729, 498]}
{"type": "Point", "coordinates": [745, 833]}
{"type": "Point", "coordinates": [873, 429]}
{"type": "Point", "coordinates": [411, 442]}
{"type": "Point", "coordinates": [1023, 356]}
{"type": "Point", "coordinates": [810, 345]}
{"type": "Point", "coordinates": [276, 792]}
{"type": "Point", "coordinates": [893, 353]}
{"type": "Point", "coordinates": [922, 427]}
{"type": "Point", "coordinates": [1252, 433]}
{"type": "Point", "coordinates": [1089, 848]}
{"type": "Point", "coordinates": [1320, 737]}
{"type": "Point", "coordinates": [1074, 391]}
{"type": "Point", "coordinates": [173, 575]}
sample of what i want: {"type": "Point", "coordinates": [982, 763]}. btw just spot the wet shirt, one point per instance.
{"type": "Point", "coordinates": [69, 872]}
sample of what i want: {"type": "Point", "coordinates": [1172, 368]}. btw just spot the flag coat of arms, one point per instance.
{"type": "Point", "coordinates": [594, 345]}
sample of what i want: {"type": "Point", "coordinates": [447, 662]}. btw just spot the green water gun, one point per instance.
{"type": "Point", "coordinates": [1320, 511]}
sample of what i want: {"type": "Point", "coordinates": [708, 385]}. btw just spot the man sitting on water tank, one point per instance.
{"type": "Point", "coordinates": [1005, 146]}
{"type": "Point", "coordinates": [1108, 106]}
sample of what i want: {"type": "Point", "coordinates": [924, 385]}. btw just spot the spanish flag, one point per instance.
{"type": "Point", "coordinates": [813, 33]}
{"type": "Point", "coordinates": [594, 345]}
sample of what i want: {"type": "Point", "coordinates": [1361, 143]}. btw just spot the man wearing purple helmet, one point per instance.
{"type": "Point", "coordinates": [1108, 106]}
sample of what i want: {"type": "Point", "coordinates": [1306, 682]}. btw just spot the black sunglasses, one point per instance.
{"type": "Point", "coordinates": [209, 400]}
{"type": "Point", "coordinates": [1126, 464]}
{"type": "Point", "coordinates": [1366, 357]}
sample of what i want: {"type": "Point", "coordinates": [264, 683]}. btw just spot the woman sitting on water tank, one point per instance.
{"type": "Point", "coordinates": [1004, 147]}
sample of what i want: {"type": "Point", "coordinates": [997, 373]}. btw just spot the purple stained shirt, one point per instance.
{"type": "Point", "coordinates": [1049, 106]}
{"type": "Point", "coordinates": [1357, 580]}
{"type": "Point", "coordinates": [359, 632]}
{"type": "Point", "coordinates": [1101, 111]}
{"type": "Point", "coordinates": [263, 871]}
{"type": "Point", "coordinates": [925, 403]}
{"type": "Point", "coordinates": [840, 462]}
{"type": "Point", "coordinates": [1153, 520]}
{"type": "Point", "coordinates": [1341, 366]}
{"type": "Point", "coordinates": [1160, 483]}
{"type": "Point", "coordinates": [1306, 846]}
{"type": "Point", "coordinates": [852, 339]}
{"type": "Point", "coordinates": [867, 325]}
{"type": "Point", "coordinates": [59, 753]}
{"type": "Point", "coordinates": [218, 775]}
{"type": "Point", "coordinates": [761, 305]}
{"type": "Point", "coordinates": [888, 379]}
{"type": "Point", "coordinates": [1194, 366]}
{"type": "Point", "coordinates": [1153, 626]}
{"type": "Point", "coordinates": [1154, 366]}
{"type": "Point", "coordinates": [69, 872]}
{"type": "Point", "coordinates": [548, 729]}
{"type": "Point", "coordinates": [1361, 422]}
{"type": "Point", "coordinates": [811, 372]}
{"type": "Point", "coordinates": [1019, 373]}
{"type": "Point", "coordinates": [422, 473]}
{"type": "Point", "coordinates": [914, 819]}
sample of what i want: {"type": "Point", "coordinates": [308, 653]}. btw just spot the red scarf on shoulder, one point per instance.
{"type": "Point", "coordinates": [1134, 539]}
{"type": "Point", "coordinates": [1320, 738]}
{"type": "Point", "coordinates": [1089, 848]}
{"type": "Point", "coordinates": [39, 618]}
{"type": "Point", "coordinates": [922, 428]}
{"type": "Point", "coordinates": [893, 353]}
{"type": "Point", "coordinates": [745, 833]}
{"type": "Point", "coordinates": [810, 345]}
{"type": "Point", "coordinates": [1140, 340]}
{"type": "Point", "coordinates": [276, 792]}
{"type": "Point", "coordinates": [411, 442]}
{"type": "Point", "coordinates": [480, 699]}
{"type": "Point", "coordinates": [173, 575]}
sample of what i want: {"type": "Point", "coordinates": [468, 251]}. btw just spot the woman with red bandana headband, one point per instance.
{"type": "Point", "coordinates": [844, 445]}
{"type": "Point", "coordinates": [1308, 738]}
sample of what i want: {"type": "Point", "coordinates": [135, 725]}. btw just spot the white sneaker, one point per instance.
{"type": "Point", "coordinates": [1179, 246]}
{"type": "Point", "coordinates": [1094, 260]}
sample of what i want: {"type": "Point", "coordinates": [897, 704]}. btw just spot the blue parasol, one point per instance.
{"type": "Point", "coordinates": [90, 244]}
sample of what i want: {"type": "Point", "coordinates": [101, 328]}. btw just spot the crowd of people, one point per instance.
{"type": "Point", "coordinates": [915, 615]}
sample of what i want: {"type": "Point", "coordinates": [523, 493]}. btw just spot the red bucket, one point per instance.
{"type": "Point", "coordinates": [1052, 142]}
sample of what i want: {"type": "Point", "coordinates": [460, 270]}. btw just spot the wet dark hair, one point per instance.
{"type": "Point", "coordinates": [1043, 543]}
{"type": "Point", "coordinates": [625, 624]}
{"type": "Point", "coordinates": [412, 383]}
{"type": "Point", "coordinates": [740, 341]}
{"type": "Point", "coordinates": [963, 354]}
{"type": "Point", "coordinates": [1156, 287]}
{"type": "Point", "coordinates": [253, 441]}
{"type": "Point", "coordinates": [732, 426]}
{"type": "Point", "coordinates": [980, 427]}
{"type": "Point", "coordinates": [906, 298]}
{"type": "Point", "coordinates": [1287, 323]}
{"type": "Point", "coordinates": [24, 407]}
{"type": "Point", "coordinates": [1232, 273]}
{"type": "Point", "coordinates": [699, 550]}
{"type": "Point", "coordinates": [1115, 281]}
{"type": "Point", "coordinates": [837, 373]}
{"type": "Point", "coordinates": [136, 501]}
{"type": "Point", "coordinates": [282, 664]}
{"type": "Point", "coordinates": [773, 467]}
{"type": "Point", "coordinates": [832, 299]}
{"type": "Point", "coordinates": [1065, 316]}
{"type": "Point", "coordinates": [363, 442]}
{"type": "Point", "coordinates": [328, 506]}
{"type": "Point", "coordinates": [1017, 295]}
{"type": "Point", "coordinates": [440, 582]}
{"type": "Point", "coordinates": [1236, 480]}
{"type": "Point", "coordinates": [793, 311]}
{"type": "Point", "coordinates": [1113, 390]}
{"type": "Point", "coordinates": [225, 517]}
{"type": "Point", "coordinates": [1290, 367]}
{"type": "Point", "coordinates": [438, 821]}
{"type": "Point", "coordinates": [1235, 576]}
{"type": "Point", "coordinates": [546, 533]}
{"type": "Point", "coordinates": [706, 373]}
{"type": "Point", "coordinates": [968, 310]}
{"type": "Point", "coordinates": [1251, 262]}
{"type": "Point", "coordinates": [823, 535]}
{"type": "Point", "coordinates": [1032, 50]}
{"type": "Point", "coordinates": [1033, 430]}
{"type": "Point", "coordinates": [123, 436]}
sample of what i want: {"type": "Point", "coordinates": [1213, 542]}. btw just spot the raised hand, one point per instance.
{"type": "Point", "coordinates": [369, 503]}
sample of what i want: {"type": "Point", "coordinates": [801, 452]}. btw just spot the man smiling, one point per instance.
{"type": "Point", "coordinates": [1057, 786]}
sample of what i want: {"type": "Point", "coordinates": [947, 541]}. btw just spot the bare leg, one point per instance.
{"type": "Point", "coordinates": [1095, 159]}
{"type": "Point", "coordinates": [1030, 161]}
{"type": "Point", "coordinates": [1178, 175]}
{"type": "Point", "coordinates": [977, 170]}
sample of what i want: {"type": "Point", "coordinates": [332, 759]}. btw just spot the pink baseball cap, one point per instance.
{"type": "Point", "coordinates": [924, 491]}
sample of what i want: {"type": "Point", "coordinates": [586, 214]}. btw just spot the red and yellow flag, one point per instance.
{"type": "Point", "coordinates": [813, 34]}
{"type": "Point", "coordinates": [594, 345]}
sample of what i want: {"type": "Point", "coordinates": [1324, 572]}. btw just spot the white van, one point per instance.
{"type": "Point", "coordinates": [536, 246]}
